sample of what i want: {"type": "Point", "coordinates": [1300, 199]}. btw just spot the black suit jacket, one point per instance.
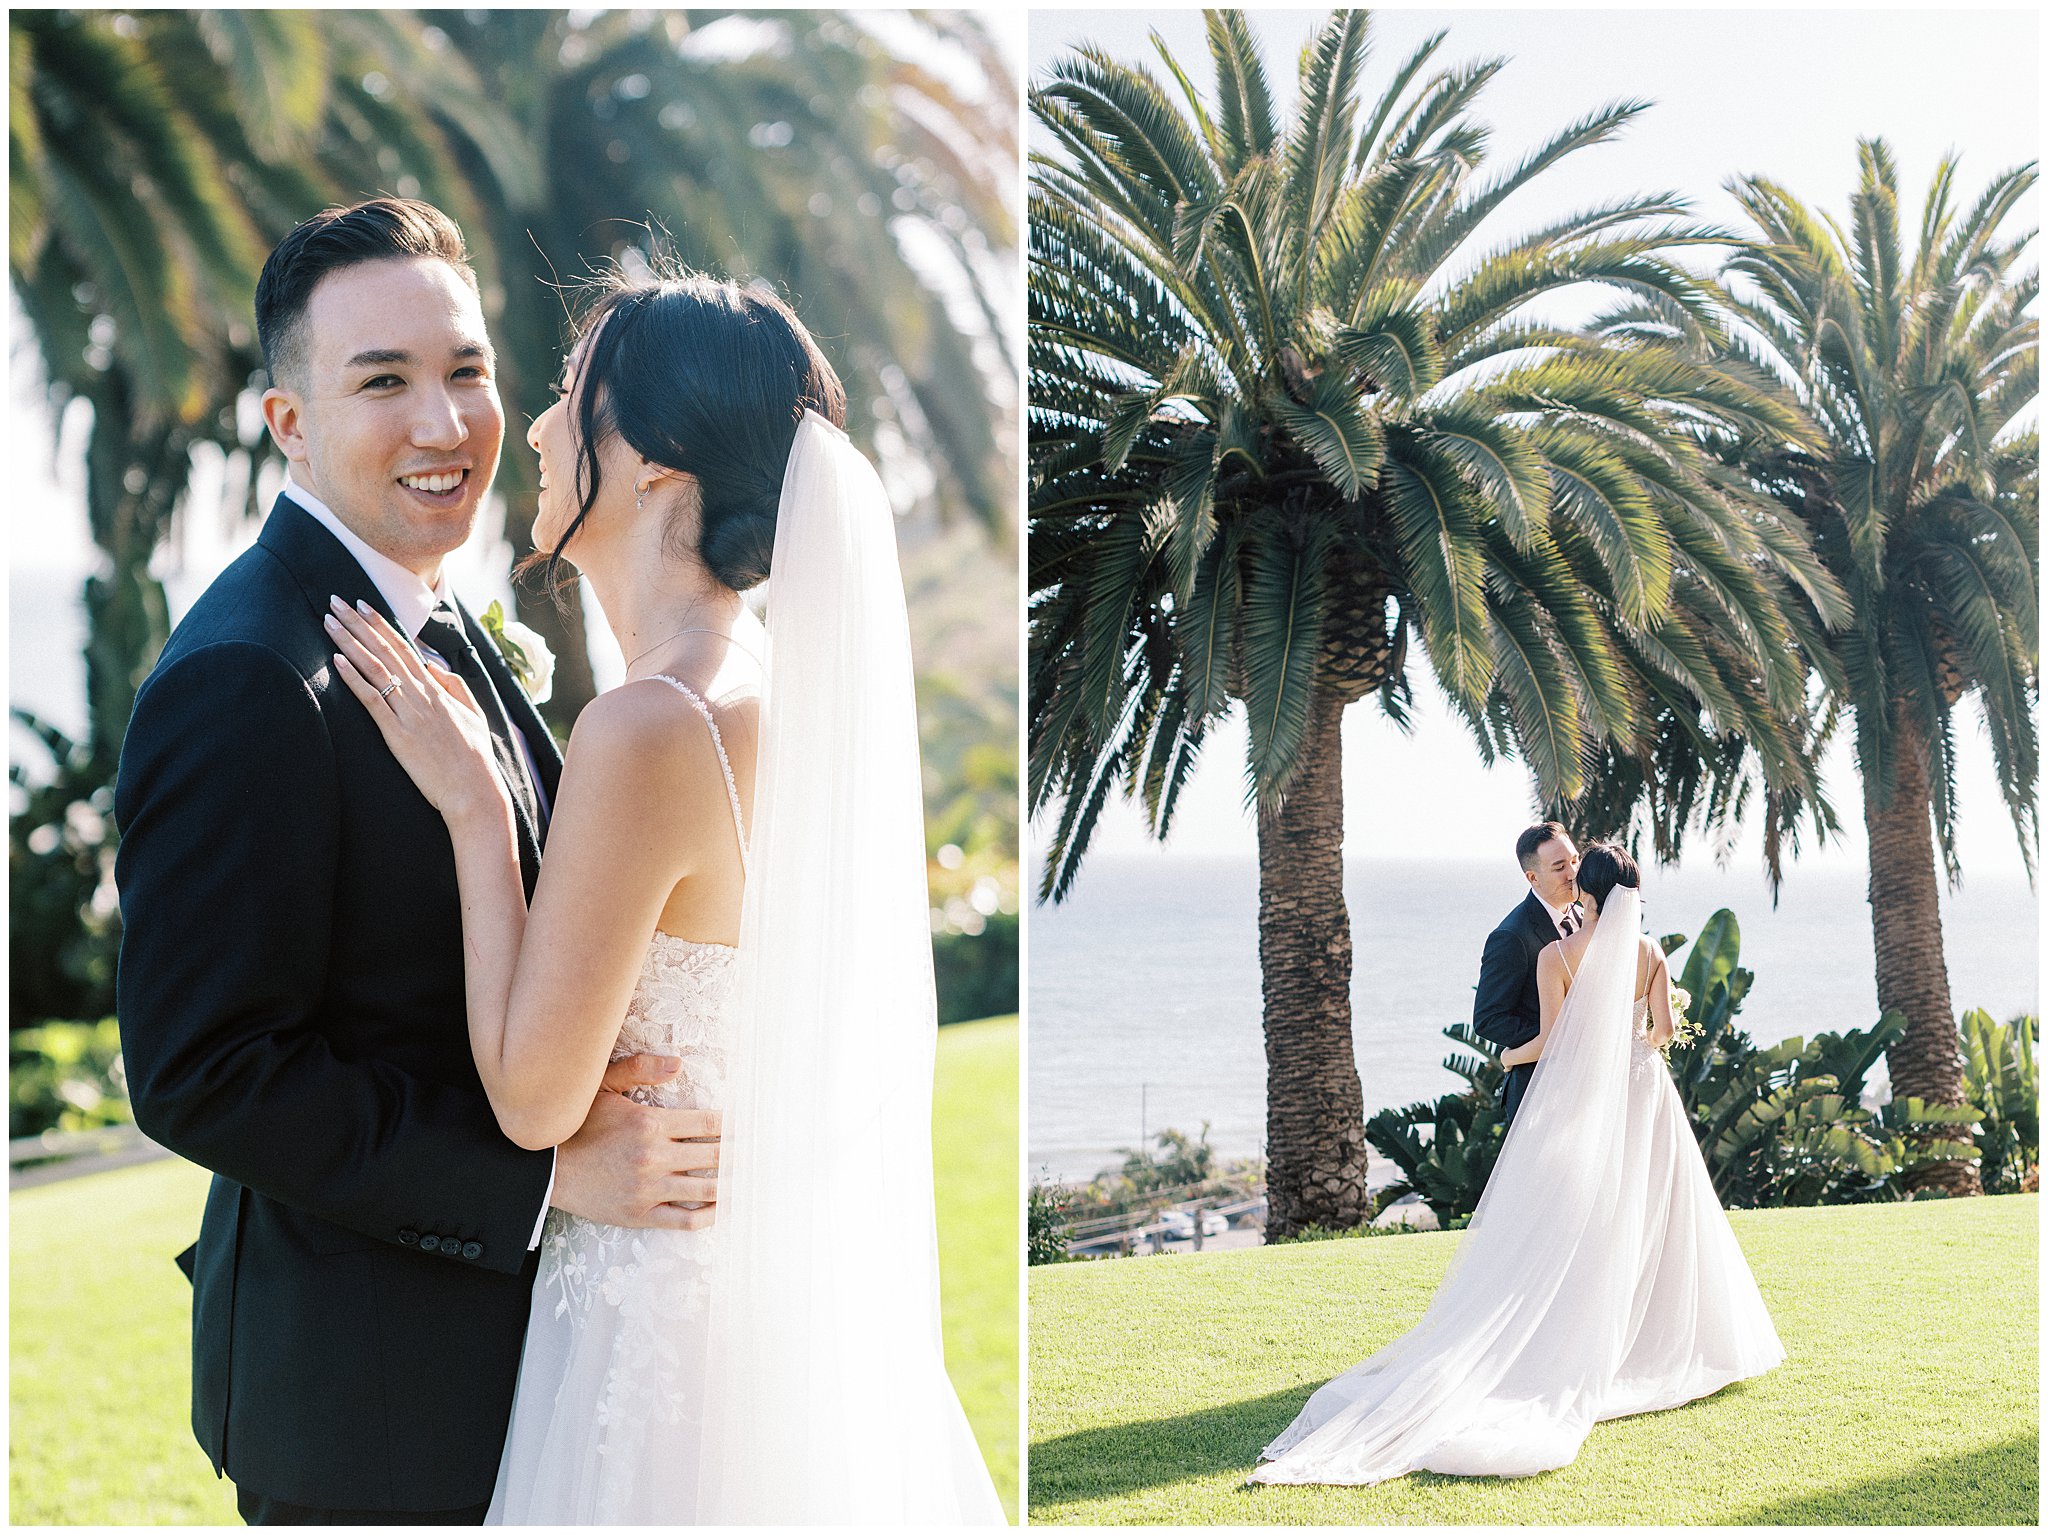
{"type": "Point", "coordinates": [1506, 1007]}
{"type": "Point", "coordinates": [291, 1004]}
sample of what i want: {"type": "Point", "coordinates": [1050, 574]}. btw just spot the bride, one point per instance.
{"type": "Point", "coordinates": [735, 869]}
{"type": "Point", "coordinates": [1599, 1276]}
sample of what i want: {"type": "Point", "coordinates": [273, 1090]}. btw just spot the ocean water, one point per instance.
{"type": "Point", "coordinates": [1144, 985]}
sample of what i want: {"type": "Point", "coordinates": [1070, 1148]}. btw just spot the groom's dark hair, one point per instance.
{"type": "Point", "coordinates": [382, 229]}
{"type": "Point", "coordinates": [1530, 843]}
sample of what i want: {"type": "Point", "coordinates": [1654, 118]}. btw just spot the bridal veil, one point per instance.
{"type": "Point", "coordinates": [827, 1399]}
{"type": "Point", "coordinates": [1598, 1277]}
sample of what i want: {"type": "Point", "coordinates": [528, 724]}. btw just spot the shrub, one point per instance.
{"type": "Point", "coordinates": [65, 1076]}
{"type": "Point", "coordinates": [1045, 1225]}
{"type": "Point", "coordinates": [976, 973]}
{"type": "Point", "coordinates": [1999, 1081]}
{"type": "Point", "coordinates": [64, 924]}
{"type": "Point", "coordinates": [1450, 1167]}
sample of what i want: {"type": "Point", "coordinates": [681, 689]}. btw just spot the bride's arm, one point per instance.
{"type": "Point", "coordinates": [1661, 1021]}
{"type": "Point", "coordinates": [547, 990]}
{"type": "Point", "coordinates": [1550, 990]}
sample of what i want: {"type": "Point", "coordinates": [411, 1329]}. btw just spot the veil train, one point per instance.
{"type": "Point", "coordinates": [827, 1399]}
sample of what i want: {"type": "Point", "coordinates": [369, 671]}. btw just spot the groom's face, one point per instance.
{"type": "Point", "coordinates": [392, 418]}
{"type": "Point", "coordinates": [1556, 874]}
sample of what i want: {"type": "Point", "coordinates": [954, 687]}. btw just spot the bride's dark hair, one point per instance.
{"type": "Point", "coordinates": [707, 377]}
{"type": "Point", "coordinates": [1603, 866]}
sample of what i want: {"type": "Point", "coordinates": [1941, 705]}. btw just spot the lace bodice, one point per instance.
{"type": "Point", "coordinates": [679, 1007]}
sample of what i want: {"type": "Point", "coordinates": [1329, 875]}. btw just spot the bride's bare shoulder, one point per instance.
{"type": "Point", "coordinates": [648, 734]}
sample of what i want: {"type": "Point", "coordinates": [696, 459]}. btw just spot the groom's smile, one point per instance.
{"type": "Point", "coordinates": [387, 406]}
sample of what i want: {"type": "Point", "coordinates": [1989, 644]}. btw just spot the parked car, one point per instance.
{"type": "Point", "coordinates": [1181, 1224]}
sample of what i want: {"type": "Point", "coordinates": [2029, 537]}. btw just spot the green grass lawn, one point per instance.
{"type": "Point", "coordinates": [100, 1319]}
{"type": "Point", "coordinates": [974, 1139]}
{"type": "Point", "coordinates": [1910, 1394]}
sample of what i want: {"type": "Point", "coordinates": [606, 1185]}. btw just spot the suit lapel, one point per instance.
{"type": "Point", "coordinates": [1536, 918]}
{"type": "Point", "coordinates": [323, 568]}
{"type": "Point", "coordinates": [317, 560]}
{"type": "Point", "coordinates": [547, 757]}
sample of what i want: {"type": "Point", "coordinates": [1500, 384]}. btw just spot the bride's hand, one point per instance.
{"type": "Point", "coordinates": [428, 718]}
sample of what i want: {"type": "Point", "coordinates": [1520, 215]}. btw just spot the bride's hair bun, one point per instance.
{"type": "Point", "coordinates": [737, 536]}
{"type": "Point", "coordinates": [1603, 866]}
{"type": "Point", "coordinates": [710, 378]}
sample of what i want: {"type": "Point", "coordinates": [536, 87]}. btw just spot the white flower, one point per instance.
{"type": "Point", "coordinates": [525, 652]}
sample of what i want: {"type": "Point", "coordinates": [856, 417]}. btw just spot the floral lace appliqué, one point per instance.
{"type": "Point", "coordinates": [645, 1292]}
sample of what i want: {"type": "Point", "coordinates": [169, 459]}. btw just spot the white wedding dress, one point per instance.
{"type": "Point", "coordinates": [1598, 1278]}
{"type": "Point", "coordinates": [609, 1410]}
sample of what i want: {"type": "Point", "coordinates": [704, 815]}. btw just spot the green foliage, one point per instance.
{"type": "Point", "coordinates": [1449, 1166]}
{"type": "Point", "coordinates": [1045, 1224]}
{"type": "Point", "coordinates": [65, 1076]}
{"type": "Point", "coordinates": [2004, 1090]}
{"type": "Point", "coordinates": [1182, 1168]}
{"type": "Point", "coordinates": [64, 923]}
{"type": "Point", "coordinates": [1315, 1233]}
{"type": "Point", "coordinates": [976, 973]}
{"type": "Point", "coordinates": [1785, 1125]}
{"type": "Point", "coordinates": [1179, 1162]}
{"type": "Point", "coordinates": [959, 594]}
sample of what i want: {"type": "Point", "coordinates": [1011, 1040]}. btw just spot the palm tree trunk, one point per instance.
{"type": "Point", "coordinates": [1912, 975]}
{"type": "Point", "coordinates": [133, 477]}
{"type": "Point", "coordinates": [1315, 1114]}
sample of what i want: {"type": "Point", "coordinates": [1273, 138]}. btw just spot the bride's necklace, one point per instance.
{"type": "Point", "coordinates": [650, 650]}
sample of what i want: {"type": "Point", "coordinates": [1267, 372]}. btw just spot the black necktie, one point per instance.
{"type": "Point", "coordinates": [443, 634]}
{"type": "Point", "coordinates": [1565, 925]}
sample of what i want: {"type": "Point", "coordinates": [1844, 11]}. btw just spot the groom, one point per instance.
{"type": "Point", "coordinates": [291, 978]}
{"type": "Point", "coordinates": [1505, 1008]}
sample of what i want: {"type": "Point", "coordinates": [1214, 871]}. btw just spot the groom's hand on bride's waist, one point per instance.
{"type": "Point", "coordinates": [633, 1164]}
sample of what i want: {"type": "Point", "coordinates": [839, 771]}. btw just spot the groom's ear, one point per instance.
{"type": "Point", "coordinates": [281, 413]}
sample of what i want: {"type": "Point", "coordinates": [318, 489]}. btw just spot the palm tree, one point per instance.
{"type": "Point", "coordinates": [155, 157]}
{"type": "Point", "coordinates": [127, 249]}
{"type": "Point", "coordinates": [1923, 499]}
{"type": "Point", "coordinates": [806, 149]}
{"type": "Point", "coordinates": [1288, 414]}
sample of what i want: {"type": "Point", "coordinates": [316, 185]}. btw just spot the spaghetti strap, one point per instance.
{"type": "Point", "coordinates": [1570, 979]}
{"type": "Point", "coordinates": [732, 791]}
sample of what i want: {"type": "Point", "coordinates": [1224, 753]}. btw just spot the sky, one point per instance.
{"type": "Point", "coordinates": [1778, 93]}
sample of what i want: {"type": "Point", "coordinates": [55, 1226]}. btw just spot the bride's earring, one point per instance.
{"type": "Point", "coordinates": [640, 499]}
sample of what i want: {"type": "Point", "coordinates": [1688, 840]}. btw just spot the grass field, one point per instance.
{"type": "Point", "coordinates": [100, 1319]}
{"type": "Point", "coordinates": [1910, 1394]}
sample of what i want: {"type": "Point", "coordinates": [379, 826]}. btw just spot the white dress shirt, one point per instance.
{"type": "Point", "coordinates": [1557, 915]}
{"type": "Point", "coordinates": [412, 603]}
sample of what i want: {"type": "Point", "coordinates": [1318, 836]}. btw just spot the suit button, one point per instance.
{"type": "Point", "coordinates": [430, 1243]}
{"type": "Point", "coordinates": [472, 1250]}
{"type": "Point", "coordinates": [409, 1237]}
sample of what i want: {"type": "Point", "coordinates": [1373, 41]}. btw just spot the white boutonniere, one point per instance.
{"type": "Point", "coordinates": [526, 653]}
